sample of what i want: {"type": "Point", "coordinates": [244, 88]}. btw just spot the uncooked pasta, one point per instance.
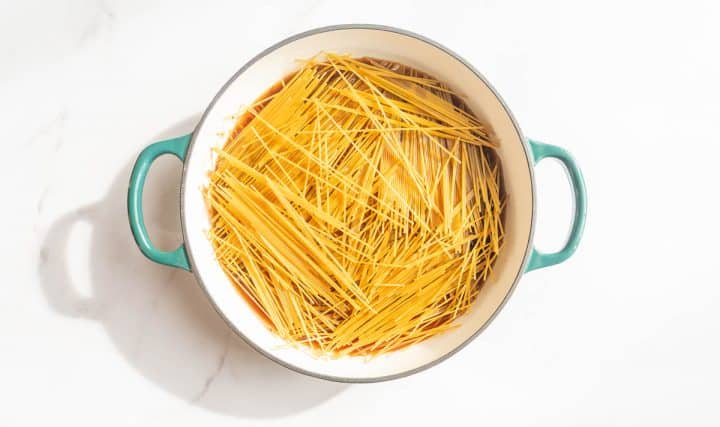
{"type": "Point", "coordinates": [357, 206]}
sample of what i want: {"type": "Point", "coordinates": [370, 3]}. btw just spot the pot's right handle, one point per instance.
{"type": "Point", "coordinates": [178, 147]}
{"type": "Point", "coordinates": [537, 258]}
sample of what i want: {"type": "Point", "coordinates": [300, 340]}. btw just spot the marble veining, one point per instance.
{"type": "Point", "coordinates": [214, 374]}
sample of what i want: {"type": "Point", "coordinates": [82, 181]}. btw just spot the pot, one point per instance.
{"type": "Point", "coordinates": [517, 155]}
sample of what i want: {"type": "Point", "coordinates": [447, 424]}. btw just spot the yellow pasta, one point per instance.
{"type": "Point", "coordinates": [357, 206]}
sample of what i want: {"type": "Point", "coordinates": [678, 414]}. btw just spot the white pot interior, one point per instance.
{"type": "Point", "coordinates": [253, 81]}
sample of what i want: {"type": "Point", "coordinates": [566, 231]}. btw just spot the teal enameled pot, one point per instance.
{"type": "Point", "coordinates": [518, 156]}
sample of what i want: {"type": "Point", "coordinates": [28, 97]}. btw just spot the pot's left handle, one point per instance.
{"type": "Point", "coordinates": [178, 147]}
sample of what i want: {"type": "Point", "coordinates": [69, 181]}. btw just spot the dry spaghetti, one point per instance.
{"type": "Point", "coordinates": [357, 206]}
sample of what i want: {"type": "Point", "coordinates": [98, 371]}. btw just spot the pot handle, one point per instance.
{"type": "Point", "coordinates": [177, 146]}
{"type": "Point", "coordinates": [537, 258]}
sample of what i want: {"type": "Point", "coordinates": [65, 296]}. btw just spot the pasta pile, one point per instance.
{"type": "Point", "coordinates": [357, 206]}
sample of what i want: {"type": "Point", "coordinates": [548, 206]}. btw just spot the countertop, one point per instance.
{"type": "Point", "coordinates": [624, 333]}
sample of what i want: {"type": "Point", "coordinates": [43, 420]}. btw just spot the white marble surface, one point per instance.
{"type": "Point", "coordinates": [626, 333]}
